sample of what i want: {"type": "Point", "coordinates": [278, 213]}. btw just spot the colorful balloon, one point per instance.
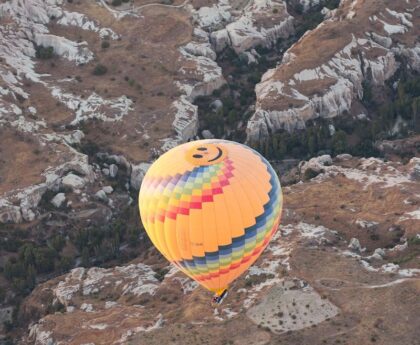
{"type": "Point", "coordinates": [211, 207]}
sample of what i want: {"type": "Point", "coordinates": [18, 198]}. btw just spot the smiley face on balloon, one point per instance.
{"type": "Point", "coordinates": [206, 154]}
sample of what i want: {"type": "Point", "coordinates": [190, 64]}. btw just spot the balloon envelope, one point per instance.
{"type": "Point", "coordinates": [211, 207]}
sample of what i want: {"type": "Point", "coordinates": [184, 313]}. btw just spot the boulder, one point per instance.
{"type": "Point", "coordinates": [355, 245]}
{"type": "Point", "coordinates": [220, 40]}
{"type": "Point", "coordinates": [200, 49]}
{"type": "Point", "coordinates": [117, 159]}
{"type": "Point", "coordinates": [315, 165]}
{"type": "Point", "coordinates": [29, 200]}
{"type": "Point", "coordinates": [58, 200]}
{"type": "Point", "coordinates": [137, 174]}
{"type": "Point", "coordinates": [113, 170]}
{"type": "Point", "coordinates": [344, 157]}
{"type": "Point", "coordinates": [378, 254]}
{"type": "Point", "coordinates": [101, 195]}
{"type": "Point", "coordinates": [108, 189]}
{"type": "Point", "coordinates": [216, 104]}
{"type": "Point", "coordinates": [207, 134]}
{"type": "Point", "coordinates": [73, 181]}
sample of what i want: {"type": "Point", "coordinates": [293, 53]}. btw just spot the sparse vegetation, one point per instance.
{"type": "Point", "coordinates": [105, 44]}
{"type": "Point", "coordinates": [100, 69]}
{"type": "Point", "coordinates": [44, 53]}
{"type": "Point", "coordinates": [160, 273]}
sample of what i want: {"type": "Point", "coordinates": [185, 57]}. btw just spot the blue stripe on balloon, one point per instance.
{"type": "Point", "coordinates": [249, 234]}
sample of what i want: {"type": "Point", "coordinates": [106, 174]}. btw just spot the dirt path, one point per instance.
{"type": "Point", "coordinates": [136, 9]}
{"type": "Point", "coordinates": [323, 283]}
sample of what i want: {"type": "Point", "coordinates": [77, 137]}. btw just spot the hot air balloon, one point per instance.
{"type": "Point", "coordinates": [211, 207]}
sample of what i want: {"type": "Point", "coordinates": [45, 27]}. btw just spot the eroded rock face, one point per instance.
{"type": "Point", "coordinates": [262, 23]}
{"type": "Point", "coordinates": [360, 42]}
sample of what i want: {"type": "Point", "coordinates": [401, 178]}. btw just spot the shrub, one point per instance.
{"type": "Point", "coordinates": [100, 69]}
{"type": "Point", "coordinates": [44, 53]}
{"type": "Point", "coordinates": [160, 273]}
{"type": "Point", "coordinates": [65, 264]}
{"type": "Point", "coordinates": [133, 236]}
{"type": "Point", "coordinates": [89, 148]}
{"type": "Point", "coordinates": [299, 8]}
{"type": "Point", "coordinates": [105, 44]}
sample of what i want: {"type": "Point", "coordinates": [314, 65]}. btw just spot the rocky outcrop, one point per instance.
{"type": "Point", "coordinates": [71, 51]}
{"type": "Point", "coordinates": [24, 32]}
{"type": "Point", "coordinates": [258, 23]}
{"type": "Point", "coordinates": [311, 83]}
{"type": "Point", "coordinates": [185, 124]}
{"type": "Point", "coordinates": [29, 198]}
{"type": "Point", "coordinates": [211, 18]}
{"type": "Point", "coordinates": [315, 165]}
{"type": "Point", "coordinates": [200, 77]}
{"type": "Point", "coordinates": [9, 213]}
{"type": "Point", "coordinates": [262, 23]}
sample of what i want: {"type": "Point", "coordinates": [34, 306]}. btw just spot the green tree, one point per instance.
{"type": "Point", "coordinates": [339, 142]}
{"type": "Point", "coordinates": [57, 242]}
{"type": "Point", "coordinates": [232, 117]}
{"type": "Point", "coordinates": [44, 259]}
{"type": "Point", "coordinates": [416, 114]}
{"type": "Point", "coordinates": [367, 93]}
{"type": "Point", "coordinates": [14, 270]}
{"type": "Point", "coordinates": [312, 142]}
{"type": "Point", "coordinates": [85, 257]}
{"type": "Point", "coordinates": [27, 254]}
{"type": "Point", "coordinates": [30, 277]}
{"type": "Point", "coordinates": [81, 239]}
{"type": "Point", "coordinates": [64, 264]}
{"type": "Point", "coordinates": [133, 236]}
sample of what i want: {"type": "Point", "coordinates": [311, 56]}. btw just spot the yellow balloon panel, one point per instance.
{"type": "Point", "coordinates": [211, 207]}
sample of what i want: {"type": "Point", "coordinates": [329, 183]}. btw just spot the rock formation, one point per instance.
{"type": "Point", "coordinates": [360, 42]}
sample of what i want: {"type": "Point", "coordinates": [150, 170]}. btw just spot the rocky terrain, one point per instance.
{"type": "Point", "coordinates": [322, 75]}
{"type": "Point", "coordinates": [91, 92]}
{"type": "Point", "coordinates": [349, 241]}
